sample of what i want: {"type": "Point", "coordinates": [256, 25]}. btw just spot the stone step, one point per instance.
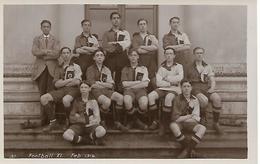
{"type": "Point", "coordinates": [118, 149]}
{"type": "Point", "coordinates": [225, 119]}
{"type": "Point", "coordinates": [33, 108]}
{"type": "Point", "coordinates": [26, 84]}
{"type": "Point", "coordinates": [14, 132]}
{"type": "Point", "coordinates": [220, 69]}
{"type": "Point", "coordinates": [28, 96]}
{"type": "Point", "coordinates": [32, 143]}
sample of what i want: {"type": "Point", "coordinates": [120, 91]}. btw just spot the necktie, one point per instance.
{"type": "Point", "coordinates": [116, 36]}
{"type": "Point", "coordinates": [134, 73]}
{"type": "Point", "coordinates": [46, 42]}
{"type": "Point", "coordinates": [145, 40]}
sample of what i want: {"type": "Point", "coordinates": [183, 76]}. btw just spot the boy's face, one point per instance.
{"type": "Point", "coordinates": [115, 20]}
{"type": "Point", "coordinates": [99, 57]}
{"type": "Point", "coordinates": [169, 55]}
{"type": "Point", "coordinates": [133, 57]}
{"type": "Point", "coordinates": [186, 88]}
{"type": "Point", "coordinates": [46, 28]}
{"type": "Point", "coordinates": [142, 26]}
{"type": "Point", "coordinates": [175, 23]}
{"type": "Point", "coordinates": [84, 88]}
{"type": "Point", "coordinates": [86, 26]}
{"type": "Point", "coordinates": [199, 54]}
{"type": "Point", "coordinates": [65, 55]}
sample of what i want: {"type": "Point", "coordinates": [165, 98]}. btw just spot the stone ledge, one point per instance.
{"type": "Point", "coordinates": [221, 69]}
{"type": "Point", "coordinates": [33, 108]}
{"type": "Point", "coordinates": [27, 85]}
{"type": "Point", "coordinates": [34, 96]}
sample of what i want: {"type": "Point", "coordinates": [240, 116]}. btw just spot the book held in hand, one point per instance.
{"type": "Point", "coordinates": [89, 44]}
{"type": "Point", "coordinates": [149, 42]}
{"type": "Point", "coordinates": [121, 37]}
{"type": "Point", "coordinates": [103, 77]}
{"type": "Point", "coordinates": [69, 74]}
{"type": "Point", "coordinates": [181, 42]}
{"type": "Point", "coordinates": [139, 76]}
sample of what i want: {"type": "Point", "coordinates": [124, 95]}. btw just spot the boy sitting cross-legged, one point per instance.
{"type": "Point", "coordinates": [85, 119]}
{"type": "Point", "coordinates": [186, 116]}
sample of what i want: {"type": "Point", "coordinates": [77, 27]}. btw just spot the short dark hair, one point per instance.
{"type": "Point", "coordinates": [85, 20]}
{"type": "Point", "coordinates": [45, 21]}
{"type": "Point", "coordinates": [114, 13]}
{"type": "Point", "coordinates": [169, 48]}
{"type": "Point", "coordinates": [132, 50]}
{"type": "Point", "coordinates": [142, 19]}
{"type": "Point", "coordinates": [64, 48]}
{"type": "Point", "coordinates": [185, 81]}
{"type": "Point", "coordinates": [198, 48]}
{"type": "Point", "coordinates": [83, 82]}
{"type": "Point", "coordinates": [100, 49]}
{"type": "Point", "coordinates": [174, 18]}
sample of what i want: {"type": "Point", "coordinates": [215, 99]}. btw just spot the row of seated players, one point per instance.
{"type": "Point", "coordinates": [135, 99]}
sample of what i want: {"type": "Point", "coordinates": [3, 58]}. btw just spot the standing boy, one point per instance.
{"type": "Point", "coordinates": [85, 45]}
{"type": "Point", "coordinates": [179, 41]}
{"type": "Point", "coordinates": [146, 45]}
{"type": "Point", "coordinates": [116, 41]}
{"type": "Point", "coordinates": [46, 50]}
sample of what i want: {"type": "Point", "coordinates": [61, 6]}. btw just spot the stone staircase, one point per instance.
{"type": "Point", "coordinates": [21, 102]}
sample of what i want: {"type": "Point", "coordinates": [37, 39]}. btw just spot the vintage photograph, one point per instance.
{"type": "Point", "coordinates": [131, 81]}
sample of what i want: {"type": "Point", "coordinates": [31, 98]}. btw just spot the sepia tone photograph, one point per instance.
{"type": "Point", "coordinates": [125, 81]}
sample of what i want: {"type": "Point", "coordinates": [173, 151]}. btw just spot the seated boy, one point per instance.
{"type": "Point", "coordinates": [84, 119]}
{"type": "Point", "coordinates": [134, 81]}
{"type": "Point", "coordinates": [67, 77]}
{"type": "Point", "coordinates": [100, 79]}
{"type": "Point", "coordinates": [168, 80]}
{"type": "Point", "coordinates": [186, 116]}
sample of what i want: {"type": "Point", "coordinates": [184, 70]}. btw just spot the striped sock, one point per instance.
{"type": "Point", "coordinates": [194, 141]}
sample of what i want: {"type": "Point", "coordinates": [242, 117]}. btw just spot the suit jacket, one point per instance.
{"type": "Point", "coordinates": [49, 61]}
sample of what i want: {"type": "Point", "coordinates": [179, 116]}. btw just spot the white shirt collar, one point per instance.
{"type": "Point", "coordinates": [46, 36]}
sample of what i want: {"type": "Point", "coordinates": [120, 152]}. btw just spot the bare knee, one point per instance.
{"type": "Point", "coordinates": [152, 97]}
{"type": "Point", "coordinates": [68, 135]}
{"type": "Point", "coordinates": [104, 101]}
{"type": "Point", "coordinates": [200, 130]}
{"type": "Point", "coordinates": [128, 102]}
{"type": "Point", "coordinates": [66, 100]}
{"type": "Point", "coordinates": [100, 131]}
{"type": "Point", "coordinates": [118, 98]}
{"type": "Point", "coordinates": [46, 98]}
{"type": "Point", "coordinates": [143, 103]}
{"type": "Point", "coordinates": [168, 99]}
{"type": "Point", "coordinates": [216, 100]}
{"type": "Point", "coordinates": [175, 129]}
{"type": "Point", "coordinates": [203, 100]}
